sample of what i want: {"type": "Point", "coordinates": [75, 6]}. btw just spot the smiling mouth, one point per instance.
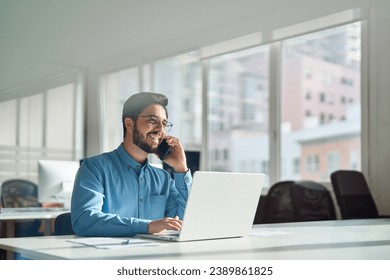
{"type": "Point", "coordinates": [155, 136]}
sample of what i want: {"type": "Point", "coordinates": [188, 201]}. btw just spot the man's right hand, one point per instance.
{"type": "Point", "coordinates": [160, 225]}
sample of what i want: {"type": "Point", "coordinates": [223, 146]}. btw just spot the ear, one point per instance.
{"type": "Point", "coordinates": [129, 124]}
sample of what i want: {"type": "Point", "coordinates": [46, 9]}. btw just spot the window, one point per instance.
{"type": "Point", "coordinates": [239, 108]}
{"type": "Point", "coordinates": [46, 125]}
{"type": "Point", "coordinates": [308, 95]}
{"type": "Point", "coordinates": [265, 166]}
{"type": "Point", "coordinates": [319, 104]}
{"type": "Point", "coordinates": [333, 161]}
{"type": "Point", "coordinates": [8, 111]}
{"type": "Point", "coordinates": [354, 159]}
{"type": "Point", "coordinates": [316, 163]}
{"type": "Point", "coordinates": [116, 88]}
{"type": "Point", "coordinates": [324, 52]}
{"type": "Point", "coordinates": [307, 73]}
{"type": "Point", "coordinates": [322, 118]}
{"type": "Point", "coordinates": [179, 78]}
{"type": "Point", "coordinates": [322, 97]}
{"type": "Point", "coordinates": [309, 164]}
{"type": "Point", "coordinates": [296, 165]}
{"type": "Point", "coordinates": [60, 118]}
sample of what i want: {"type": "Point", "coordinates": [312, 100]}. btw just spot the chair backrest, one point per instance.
{"type": "Point", "coordinates": [290, 201]}
{"type": "Point", "coordinates": [353, 195]}
{"type": "Point", "coordinates": [63, 224]}
{"type": "Point", "coordinates": [19, 193]}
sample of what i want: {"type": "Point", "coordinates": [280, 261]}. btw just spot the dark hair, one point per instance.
{"type": "Point", "coordinates": [136, 103]}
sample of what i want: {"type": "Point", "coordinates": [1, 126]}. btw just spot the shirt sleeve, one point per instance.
{"type": "Point", "coordinates": [179, 190]}
{"type": "Point", "coordinates": [88, 219]}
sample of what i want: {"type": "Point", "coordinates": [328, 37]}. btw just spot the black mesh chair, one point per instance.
{"type": "Point", "coordinates": [63, 224]}
{"type": "Point", "coordinates": [353, 195]}
{"type": "Point", "coordinates": [290, 201]}
{"type": "Point", "coordinates": [17, 193]}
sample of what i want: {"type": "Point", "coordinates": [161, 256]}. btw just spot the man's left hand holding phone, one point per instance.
{"type": "Point", "coordinates": [172, 153]}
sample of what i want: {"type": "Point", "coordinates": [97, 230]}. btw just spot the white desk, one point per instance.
{"type": "Point", "coordinates": [331, 240]}
{"type": "Point", "coordinates": [8, 219]}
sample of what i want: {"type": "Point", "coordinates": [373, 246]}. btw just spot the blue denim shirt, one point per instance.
{"type": "Point", "coordinates": [114, 195]}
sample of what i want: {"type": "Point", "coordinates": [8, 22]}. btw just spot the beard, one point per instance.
{"type": "Point", "coordinates": [140, 141]}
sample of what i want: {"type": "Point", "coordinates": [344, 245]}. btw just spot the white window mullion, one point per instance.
{"type": "Point", "coordinates": [204, 163]}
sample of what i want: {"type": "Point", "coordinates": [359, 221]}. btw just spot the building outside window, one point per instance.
{"type": "Point", "coordinates": [334, 125]}
{"type": "Point", "coordinates": [179, 78]}
{"type": "Point", "coordinates": [238, 88]}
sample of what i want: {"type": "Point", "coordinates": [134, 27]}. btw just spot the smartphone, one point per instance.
{"type": "Point", "coordinates": [163, 150]}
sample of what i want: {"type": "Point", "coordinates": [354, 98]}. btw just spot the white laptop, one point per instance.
{"type": "Point", "coordinates": [220, 205]}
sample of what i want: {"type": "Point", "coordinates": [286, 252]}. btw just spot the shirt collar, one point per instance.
{"type": "Point", "coordinates": [127, 159]}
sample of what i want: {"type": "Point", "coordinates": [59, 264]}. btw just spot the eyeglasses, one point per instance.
{"type": "Point", "coordinates": [154, 121]}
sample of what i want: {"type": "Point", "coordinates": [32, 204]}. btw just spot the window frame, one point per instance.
{"type": "Point", "coordinates": [275, 54]}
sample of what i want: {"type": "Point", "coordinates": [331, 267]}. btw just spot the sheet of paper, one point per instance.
{"type": "Point", "coordinates": [113, 243]}
{"type": "Point", "coordinates": [268, 232]}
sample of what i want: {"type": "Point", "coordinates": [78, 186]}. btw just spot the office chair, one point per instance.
{"type": "Point", "coordinates": [265, 206]}
{"type": "Point", "coordinates": [63, 224]}
{"type": "Point", "coordinates": [353, 195]}
{"type": "Point", "coordinates": [21, 193]}
{"type": "Point", "coordinates": [289, 201]}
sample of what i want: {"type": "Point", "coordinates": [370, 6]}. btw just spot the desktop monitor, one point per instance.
{"type": "Point", "coordinates": [55, 180]}
{"type": "Point", "coordinates": [193, 162]}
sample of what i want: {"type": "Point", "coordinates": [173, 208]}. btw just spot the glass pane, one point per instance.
{"type": "Point", "coordinates": [238, 111]}
{"type": "Point", "coordinates": [60, 118]}
{"type": "Point", "coordinates": [321, 103]}
{"type": "Point", "coordinates": [146, 77]}
{"type": "Point", "coordinates": [8, 115]}
{"type": "Point", "coordinates": [179, 78]}
{"type": "Point", "coordinates": [31, 121]}
{"type": "Point", "coordinates": [117, 87]}
{"type": "Point", "coordinates": [8, 139]}
{"type": "Point", "coordinates": [39, 126]}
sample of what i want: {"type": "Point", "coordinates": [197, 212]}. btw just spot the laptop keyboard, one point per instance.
{"type": "Point", "coordinates": [171, 232]}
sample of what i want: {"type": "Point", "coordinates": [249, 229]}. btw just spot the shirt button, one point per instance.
{"type": "Point", "coordinates": [141, 200]}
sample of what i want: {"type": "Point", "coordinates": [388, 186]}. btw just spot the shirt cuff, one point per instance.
{"type": "Point", "coordinates": [183, 178]}
{"type": "Point", "coordinates": [140, 226]}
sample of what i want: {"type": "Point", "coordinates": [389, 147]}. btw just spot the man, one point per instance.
{"type": "Point", "coordinates": [119, 193]}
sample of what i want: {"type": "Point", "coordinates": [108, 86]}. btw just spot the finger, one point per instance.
{"type": "Point", "coordinates": [173, 224]}
{"type": "Point", "coordinates": [173, 227]}
{"type": "Point", "coordinates": [176, 219]}
{"type": "Point", "coordinates": [172, 141]}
